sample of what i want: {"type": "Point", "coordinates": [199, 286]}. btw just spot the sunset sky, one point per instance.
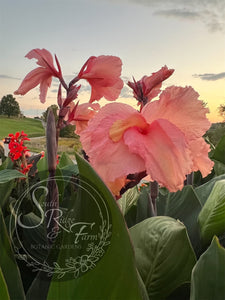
{"type": "Point", "coordinates": [188, 36]}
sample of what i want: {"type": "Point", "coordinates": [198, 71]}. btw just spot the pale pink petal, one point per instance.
{"type": "Point", "coordinates": [108, 88]}
{"type": "Point", "coordinates": [44, 85]}
{"type": "Point", "coordinates": [103, 74]}
{"type": "Point", "coordinates": [31, 80]}
{"type": "Point", "coordinates": [200, 150]}
{"type": "Point", "coordinates": [112, 160]}
{"type": "Point", "coordinates": [182, 108]}
{"type": "Point", "coordinates": [44, 59]}
{"type": "Point", "coordinates": [41, 75]}
{"type": "Point", "coordinates": [165, 152]}
{"type": "Point", "coordinates": [103, 66]}
{"type": "Point", "coordinates": [83, 114]}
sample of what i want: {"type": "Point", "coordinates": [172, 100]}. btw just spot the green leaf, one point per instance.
{"type": "Point", "coordinates": [208, 275]}
{"type": "Point", "coordinates": [8, 265]}
{"type": "Point", "coordinates": [219, 168]}
{"type": "Point", "coordinates": [3, 287]}
{"type": "Point", "coordinates": [7, 164]}
{"type": "Point", "coordinates": [114, 275]}
{"type": "Point", "coordinates": [219, 152]}
{"type": "Point", "coordinates": [204, 190]}
{"type": "Point", "coordinates": [185, 206]}
{"type": "Point", "coordinates": [8, 174]}
{"type": "Point", "coordinates": [164, 255]}
{"type": "Point", "coordinates": [212, 216]}
{"type": "Point", "coordinates": [128, 199]}
{"type": "Point", "coordinates": [65, 160]}
{"type": "Point", "coordinates": [42, 167]}
{"type": "Point", "coordinates": [5, 191]}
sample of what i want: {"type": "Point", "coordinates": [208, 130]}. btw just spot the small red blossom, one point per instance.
{"type": "Point", "coordinates": [18, 152]}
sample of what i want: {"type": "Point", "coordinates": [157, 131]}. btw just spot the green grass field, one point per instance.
{"type": "Point", "coordinates": [30, 126]}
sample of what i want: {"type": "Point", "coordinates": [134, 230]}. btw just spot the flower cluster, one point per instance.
{"type": "Point", "coordinates": [18, 152]}
{"type": "Point", "coordinates": [161, 139]}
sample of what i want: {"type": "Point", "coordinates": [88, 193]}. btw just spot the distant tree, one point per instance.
{"type": "Point", "coordinates": [221, 110]}
{"type": "Point", "coordinates": [68, 131]}
{"type": "Point", "coordinates": [54, 108]}
{"type": "Point", "coordinates": [9, 106]}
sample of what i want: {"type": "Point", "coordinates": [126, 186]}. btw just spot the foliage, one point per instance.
{"type": "Point", "coordinates": [9, 106]}
{"type": "Point", "coordinates": [215, 132]}
{"type": "Point", "coordinates": [221, 111]}
{"type": "Point", "coordinates": [54, 108]}
{"type": "Point", "coordinates": [68, 131]}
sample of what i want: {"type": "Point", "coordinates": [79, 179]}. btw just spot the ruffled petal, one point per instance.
{"type": "Point", "coordinates": [110, 159]}
{"type": "Point", "coordinates": [200, 149]}
{"type": "Point", "coordinates": [165, 152]}
{"type": "Point", "coordinates": [182, 108]}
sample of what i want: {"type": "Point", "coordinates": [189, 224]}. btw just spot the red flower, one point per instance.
{"type": "Point", "coordinates": [41, 75]}
{"type": "Point", "coordinates": [18, 152]}
{"type": "Point", "coordinates": [103, 74]}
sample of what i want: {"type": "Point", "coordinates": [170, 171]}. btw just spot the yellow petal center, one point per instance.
{"type": "Point", "coordinates": [120, 126]}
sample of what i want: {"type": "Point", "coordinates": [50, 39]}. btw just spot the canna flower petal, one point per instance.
{"type": "Point", "coordinates": [80, 115]}
{"type": "Point", "coordinates": [103, 74]}
{"type": "Point", "coordinates": [165, 152]}
{"type": "Point", "coordinates": [106, 155]}
{"type": "Point", "coordinates": [182, 108]}
{"type": "Point", "coordinates": [41, 75]}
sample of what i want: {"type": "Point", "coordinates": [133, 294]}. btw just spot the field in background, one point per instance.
{"type": "Point", "coordinates": [68, 145]}
{"type": "Point", "coordinates": [11, 125]}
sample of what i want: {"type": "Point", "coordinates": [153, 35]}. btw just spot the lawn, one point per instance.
{"type": "Point", "coordinates": [11, 125]}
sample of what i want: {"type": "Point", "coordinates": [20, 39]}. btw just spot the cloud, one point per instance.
{"type": "Point", "coordinates": [178, 13]}
{"type": "Point", "coordinates": [8, 77]}
{"type": "Point", "coordinates": [54, 91]}
{"type": "Point", "coordinates": [210, 76]}
{"type": "Point", "coordinates": [209, 12]}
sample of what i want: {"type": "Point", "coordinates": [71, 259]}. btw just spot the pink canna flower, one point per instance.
{"type": "Point", "coordinates": [164, 139]}
{"type": "Point", "coordinates": [41, 75]}
{"type": "Point", "coordinates": [80, 115]}
{"type": "Point", "coordinates": [149, 86]}
{"type": "Point", "coordinates": [103, 74]}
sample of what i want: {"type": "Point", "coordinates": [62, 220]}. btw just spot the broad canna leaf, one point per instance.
{"type": "Point", "coordinates": [65, 160]}
{"type": "Point", "coordinates": [208, 275]}
{"type": "Point", "coordinates": [204, 190]}
{"type": "Point", "coordinates": [212, 216]}
{"type": "Point", "coordinates": [111, 273]}
{"type": "Point", "coordinates": [8, 175]}
{"type": "Point", "coordinates": [9, 266]}
{"type": "Point", "coordinates": [128, 199]}
{"type": "Point", "coordinates": [219, 151]}
{"type": "Point", "coordinates": [164, 255]}
{"type": "Point", "coordinates": [3, 287]}
{"type": "Point", "coordinates": [185, 206]}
